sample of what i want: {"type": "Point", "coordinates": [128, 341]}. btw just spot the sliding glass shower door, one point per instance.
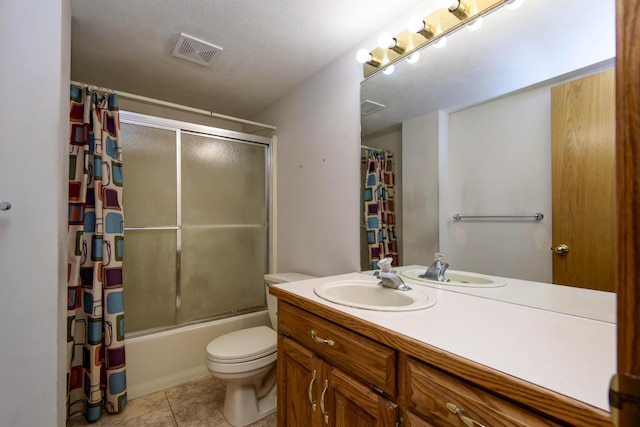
{"type": "Point", "coordinates": [223, 226]}
{"type": "Point", "coordinates": [196, 236]}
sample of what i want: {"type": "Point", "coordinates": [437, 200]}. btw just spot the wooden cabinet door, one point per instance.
{"type": "Point", "coordinates": [300, 375]}
{"type": "Point", "coordinates": [354, 405]}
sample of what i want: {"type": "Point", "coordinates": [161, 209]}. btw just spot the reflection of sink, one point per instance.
{"type": "Point", "coordinates": [456, 278]}
{"type": "Point", "coordinates": [369, 295]}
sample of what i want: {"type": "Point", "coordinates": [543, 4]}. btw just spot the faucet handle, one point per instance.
{"type": "Point", "coordinates": [385, 264]}
{"type": "Point", "coordinates": [438, 256]}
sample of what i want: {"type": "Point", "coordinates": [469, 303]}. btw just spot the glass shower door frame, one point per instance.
{"type": "Point", "coordinates": [178, 127]}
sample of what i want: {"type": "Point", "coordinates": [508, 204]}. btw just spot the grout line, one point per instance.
{"type": "Point", "coordinates": [175, 421]}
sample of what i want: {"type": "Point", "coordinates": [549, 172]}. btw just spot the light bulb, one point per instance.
{"type": "Point", "coordinates": [415, 24]}
{"type": "Point", "coordinates": [389, 70]}
{"type": "Point", "coordinates": [449, 4]}
{"type": "Point", "coordinates": [513, 4]}
{"type": "Point", "coordinates": [440, 43]}
{"type": "Point", "coordinates": [386, 41]}
{"type": "Point", "coordinates": [475, 24]}
{"type": "Point", "coordinates": [362, 56]}
{"type": "Point", "coordinates": [413, 57]}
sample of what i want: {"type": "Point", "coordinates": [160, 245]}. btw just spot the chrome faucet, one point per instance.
{"type": "Point", "coordinates": [437, 269]}
{"type": "Point", "coordinates": [388, 277]}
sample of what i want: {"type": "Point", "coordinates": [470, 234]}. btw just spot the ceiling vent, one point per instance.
{"type": "Point", "coordinates": [370, 107]}
{"type": "Point", "coordinates": [194, 50]}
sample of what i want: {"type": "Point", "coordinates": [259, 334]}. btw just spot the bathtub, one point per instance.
{"type": "Point", "coordinates": [169, 358]}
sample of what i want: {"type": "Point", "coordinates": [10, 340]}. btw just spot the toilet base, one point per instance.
{"type": "Point", "coordinates": [242, 407]}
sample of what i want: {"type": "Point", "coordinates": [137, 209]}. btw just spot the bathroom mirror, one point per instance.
{"type": "Point", "coordinates": [508, 66]}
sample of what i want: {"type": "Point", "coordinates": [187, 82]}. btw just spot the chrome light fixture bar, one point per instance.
{"type": "Point", "coordinates": [450, 17]}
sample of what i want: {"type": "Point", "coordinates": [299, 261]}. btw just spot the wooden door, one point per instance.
{"type": "Point", "coordinates": [300, 377]}
{"type": "Point", "coordinates": [583, 176]}
{"type": "Point", "coordinates": [354, 405]}
{"type": "Point", "coordinates": [628, 191]}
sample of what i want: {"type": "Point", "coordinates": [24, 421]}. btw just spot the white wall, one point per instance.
{"type": "Point", "coordinates": [421, 141]}
{"type": "Point", "coordinates": [318, 152]}
{"type": "Point", "coordinates": [34, 83]}
{"type": "Point", "coordinates": [500, 163]}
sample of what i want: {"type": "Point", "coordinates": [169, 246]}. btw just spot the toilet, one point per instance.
{"type": "Point", "coordinates": [245, 361]}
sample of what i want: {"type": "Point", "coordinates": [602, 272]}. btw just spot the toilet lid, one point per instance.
{"type": "Point", "coordinates": [243, 345]}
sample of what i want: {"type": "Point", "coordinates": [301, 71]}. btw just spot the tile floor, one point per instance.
{"type": "Point", "coordinates": [195, 404]}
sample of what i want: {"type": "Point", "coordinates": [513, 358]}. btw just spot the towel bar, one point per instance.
{"type": "Point", "coordinates": [537, 216]}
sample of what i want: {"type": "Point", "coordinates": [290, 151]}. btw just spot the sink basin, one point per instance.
{"type": "Point", "coordinates": [369, 295]}
{"type": "Point", "coordinates": [456, 278]}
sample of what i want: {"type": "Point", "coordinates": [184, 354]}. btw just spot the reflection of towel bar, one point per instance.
{"type": "Point", "coordinates": [537, 216]}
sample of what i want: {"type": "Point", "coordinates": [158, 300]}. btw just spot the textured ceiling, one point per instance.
{"type": "Point", "coordinates": [269, 46]}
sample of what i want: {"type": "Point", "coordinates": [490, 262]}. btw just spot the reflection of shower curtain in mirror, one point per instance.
{"type": "Point", "coordinates": [379, 207]}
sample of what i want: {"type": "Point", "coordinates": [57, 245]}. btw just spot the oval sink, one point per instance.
{"type": "Point", "coordinates": [456, 278]}
{"type": "Point", "coordinates": [370, 296]}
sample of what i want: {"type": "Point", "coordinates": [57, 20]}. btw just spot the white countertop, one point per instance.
{"type": "Point", "coordinates": [589, 303]}
{"type": "Point", "coordinates": [571, 355]}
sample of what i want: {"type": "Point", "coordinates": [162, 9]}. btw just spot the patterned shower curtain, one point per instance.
{"type": "Point", "coordinates": [379, 207]}
{"type": "Point", "coordinates": [96, 374]}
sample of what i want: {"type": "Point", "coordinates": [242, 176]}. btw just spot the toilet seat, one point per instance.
{"type": "Point", "coordinates": [243, 346]}
{"type": "Point", "coordinates": [243, 351]}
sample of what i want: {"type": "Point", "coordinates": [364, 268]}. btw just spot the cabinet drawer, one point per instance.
{"type": "Point", "coordinates": [438, 396]}
{"type": "Point", "coordinates": [365, 359]}
{"type": "Point", "coordinates": [412, 420]}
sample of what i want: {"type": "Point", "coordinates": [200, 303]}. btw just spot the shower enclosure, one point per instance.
{"type": "Point", "coordinates": [196, 231]}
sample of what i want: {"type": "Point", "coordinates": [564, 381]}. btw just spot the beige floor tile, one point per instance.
{"type": "Point", "coordinates": [197, 412]}
{"type": "Point", "coordinates": [151, 403]}
{"type": "Point", "coordinates": [78, 420]}
{"type": "Point", "coordinates": [205, 387]}
{"type": "Point", "coordinates": [195, 404]}
{"type": "Point", "coordinates": [160, 418]}
{"type": "Point", "coordinates": [270, 421]}
{"type": "Point", "coordinates": [198, 403]}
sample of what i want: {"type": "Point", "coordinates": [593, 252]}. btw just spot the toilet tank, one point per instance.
{"type": "Point", "coordinates": [272, 302]}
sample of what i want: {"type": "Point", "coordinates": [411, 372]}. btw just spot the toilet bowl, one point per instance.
{"type": "Point", "coordinates": [245, 361]}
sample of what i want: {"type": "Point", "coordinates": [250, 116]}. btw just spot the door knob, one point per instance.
{"type": "Point", "coordinates": [561, 249]}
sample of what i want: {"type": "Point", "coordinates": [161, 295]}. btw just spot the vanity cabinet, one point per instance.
{"type": "Point", "coordinates": [335, 369]}
{"type": "Point", "coordinates": [312, 357]}
{"type": "Point", "coordinates": [447, 401]}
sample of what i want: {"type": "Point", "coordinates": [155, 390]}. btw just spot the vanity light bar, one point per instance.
{"type": "Point", "coordinates": [437, 25]}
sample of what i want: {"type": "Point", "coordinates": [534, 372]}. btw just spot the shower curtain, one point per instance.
{"type": "Point", "coordinates": [96, 374]}
{"type": "Point", "coordinates": [379, 207]}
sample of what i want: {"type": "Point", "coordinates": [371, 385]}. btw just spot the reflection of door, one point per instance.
{"type": "Point", "coordinates": [583, 189]}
